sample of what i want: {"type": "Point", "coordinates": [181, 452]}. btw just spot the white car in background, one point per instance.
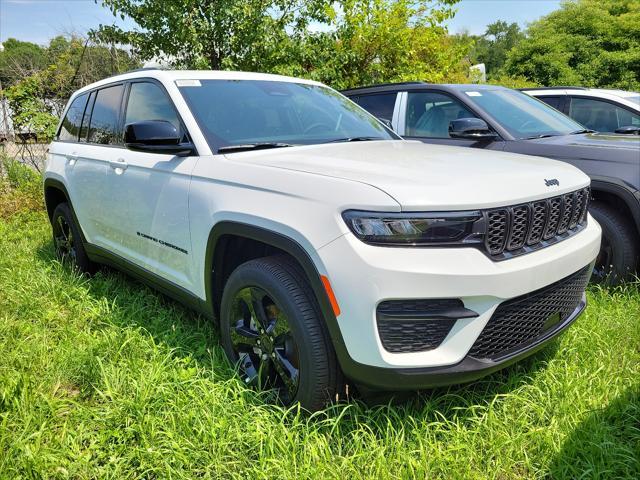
{"type": "Point", "coordinates": [601, 110]}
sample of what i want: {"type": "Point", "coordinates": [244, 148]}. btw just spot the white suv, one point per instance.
{"type": "Point", "coordinates": [601, 110]}
{"type": "Point", "coordinates": [329, 249]}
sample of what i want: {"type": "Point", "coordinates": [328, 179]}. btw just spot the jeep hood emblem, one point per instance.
{"type": "Point", "coordinates": [553, 181]}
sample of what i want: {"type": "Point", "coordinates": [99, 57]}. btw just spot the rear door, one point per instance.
{"type": "Point", "coordinates": [149, 207]}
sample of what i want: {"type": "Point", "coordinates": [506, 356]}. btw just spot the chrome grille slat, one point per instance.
{"type": "Point", "coordinates": [523, 228]}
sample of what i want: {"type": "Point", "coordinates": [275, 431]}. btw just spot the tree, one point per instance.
{"type": "Point", "coordinates": [216, 34]}
{"type": "Point", "coordinates": [352, 42]}
{"type": "Point", "coordinates": [20, 59]}
{"type": "Point", "coordinates": [594, 43]}
{"type": "Point", "coordinates": [492, 47]}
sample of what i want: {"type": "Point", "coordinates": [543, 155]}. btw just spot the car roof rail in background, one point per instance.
{"type": "Point", "coordinates": [552, 88]}
{"type": "Point", "coordinates": [391, 84]}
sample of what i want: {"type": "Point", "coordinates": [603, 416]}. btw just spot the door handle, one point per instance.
{"type": "Point", "coordinates": [72, 159]}
{"type": "Point", "coordinates": [119, 165]}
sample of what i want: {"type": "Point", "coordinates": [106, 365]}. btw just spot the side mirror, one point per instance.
{"type": "Point", "coordinates": [471, 128]}
{"type": "Point", "coordinates": [157, 136]}
{"type": "Point", "coordinates": [387, 123]}
{"type": "Point", "coordinates": [629, 130]}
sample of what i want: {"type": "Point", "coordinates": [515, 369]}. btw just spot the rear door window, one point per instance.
{"type": "Point", "coordinates": [70, 128]}
{"type": "Point", "coordinates": [103, 127]}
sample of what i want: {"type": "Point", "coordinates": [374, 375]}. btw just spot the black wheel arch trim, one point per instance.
{"type": "Point", "coordinates": [621, 190]}
{"type": "Point", "coordinates": [299, 254]}
{"type": "Point", "coordinates": [58, 185]}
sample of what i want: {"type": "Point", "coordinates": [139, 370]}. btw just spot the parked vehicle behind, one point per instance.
{"type": "Point", "coordinates": [497, 118]}
{"type": "Point", "coordinates": [328, 249]}
{"type": "Point", "coordinates": [601, 110]}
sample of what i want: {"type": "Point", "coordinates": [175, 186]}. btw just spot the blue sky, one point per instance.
{"type": "Point", "coordinates": [39, 20]}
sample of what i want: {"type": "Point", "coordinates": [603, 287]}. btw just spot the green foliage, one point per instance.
{"type": "Point", "coordinates": [221, 34]}
{"type": "Point", "coordinates": [492, 47]}
{"type": "Point", "coordinates": [20, 188]}
{"type": "Point", "coordinates": [20, 59]}
{"type": "Point", "coordinates": [373, 41]}
{"type": "Point", "coordinates": [30, 109]}
{"type": "Point", "coordinates": [594, 43]}
{"type": "Point", "coordinates": [353, 42]}
{"type": "Point", "coordinates": [103, 378]}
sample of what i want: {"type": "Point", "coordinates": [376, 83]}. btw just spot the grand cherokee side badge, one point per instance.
{"type": "Point", "coordinates": [553, 181]}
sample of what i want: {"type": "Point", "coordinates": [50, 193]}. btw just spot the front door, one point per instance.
{"type": "Point", "coordinates": [427, 115]}
{"type": "Point", "coordinates": [151, 192]}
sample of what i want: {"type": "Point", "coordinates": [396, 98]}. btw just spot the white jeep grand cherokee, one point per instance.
{"type": "Point", "coordinates": [329, 249]}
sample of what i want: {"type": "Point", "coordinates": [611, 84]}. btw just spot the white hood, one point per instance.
{"type": "Point", "coordinates": [435, 177]}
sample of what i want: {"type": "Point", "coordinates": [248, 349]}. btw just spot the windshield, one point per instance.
{"type": "Point", "coordinates": [521, 115]}
{"type": "Point", "coordinates": [249, 112]}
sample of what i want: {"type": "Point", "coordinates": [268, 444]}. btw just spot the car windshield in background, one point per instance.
{"type": "Point", "coordinates": [522, 115]}
{"type": "Point", "coordinates": [259, 113]}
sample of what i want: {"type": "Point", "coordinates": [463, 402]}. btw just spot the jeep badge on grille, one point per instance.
{"type": "Point", "coordinates": [553, 181]}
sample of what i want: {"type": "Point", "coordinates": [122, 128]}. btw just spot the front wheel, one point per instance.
{"type": "Point", "coordinates": [272, 329]}
{"type": "Point", "coordinates": [618, 250]}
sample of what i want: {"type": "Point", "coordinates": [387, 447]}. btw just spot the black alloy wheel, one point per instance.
{"type": "Point", "coordinates": [263, 343]}
{"type": "Point", "coordinates": [64, 240]}
{"type": "Point", "coordinates": [67, 240]}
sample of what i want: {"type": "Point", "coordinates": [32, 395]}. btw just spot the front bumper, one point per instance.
{"type": "Point", "coordinates": [362, 276]}
{"type": "Point", "coordinates": [468, 370]}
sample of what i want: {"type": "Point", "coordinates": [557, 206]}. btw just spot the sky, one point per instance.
{"type": "Point", "coordinates": [39, 20]}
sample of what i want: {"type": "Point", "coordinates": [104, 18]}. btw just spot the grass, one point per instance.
{"type": "Point", "coordinates": [103, 378]}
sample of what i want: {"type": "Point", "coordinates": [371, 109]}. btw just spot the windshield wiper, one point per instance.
{"type": "Point", "coordinates": [355, 139]}
{"type": "Point", "coordinates": [584, 130]}
{"type": "Point", "coordinates": [544, 135]}
{"type": "Point", "coordinates": [253, 146]}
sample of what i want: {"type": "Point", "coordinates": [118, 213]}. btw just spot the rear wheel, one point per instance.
{"type": "Point", "coordinates": [618, 250]}
{"type": "Point", "coordinates": [67, 240]}
{"type": "Point", "coordinates": [272, 329]}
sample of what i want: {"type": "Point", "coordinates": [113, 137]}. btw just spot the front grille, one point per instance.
{"type": "Point", "coordinates": [519, 322]}
{"type": "Point", "coordinates": [401, 329]}
{"type": "Point", "coordinates": [527, 227]}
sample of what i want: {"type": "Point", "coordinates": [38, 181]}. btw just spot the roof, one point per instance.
{"type": "Point", "coordinates": [172, 75]}
{"type": "Point", "coordinates": [408, 86]}
{"type": "Point", "coordinates": [528, 89]}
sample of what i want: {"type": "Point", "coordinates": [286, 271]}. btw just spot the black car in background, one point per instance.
{"type": "Point", "coordinates": [498, 118]}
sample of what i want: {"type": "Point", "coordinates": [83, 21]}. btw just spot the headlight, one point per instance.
{"type": "Point", "coordinates": [422, 229]}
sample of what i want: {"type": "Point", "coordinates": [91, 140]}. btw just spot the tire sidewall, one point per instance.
{"type": "Point", "coordinates": [610, 231]}
{"type": "Point", "coordinates": [82, 262]}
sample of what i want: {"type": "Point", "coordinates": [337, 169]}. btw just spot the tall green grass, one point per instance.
{"type": "Point", "coordinates": [103, 378]}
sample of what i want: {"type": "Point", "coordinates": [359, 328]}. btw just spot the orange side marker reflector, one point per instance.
{"type": "Point", "coordinates": [332, 297]}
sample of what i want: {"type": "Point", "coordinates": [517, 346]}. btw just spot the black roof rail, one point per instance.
{"type": "Point", "coordinates": [391, 84]}
{"type": "Point", "coordinates": [553, 88]}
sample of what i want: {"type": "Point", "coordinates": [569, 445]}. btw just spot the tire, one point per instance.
{"type": "Point", "coordinates": [67, 240]}
{"type": "Point", "coordinates": [618, 255]}
{"type": "Point", "coordinates": [281, 327]}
